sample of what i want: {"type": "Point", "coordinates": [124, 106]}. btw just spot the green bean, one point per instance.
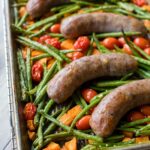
{"type": "Point", "coordinates": [84, 104]}
{"type": "Point", "coordinates": [41, 47]}
{"type": "Point", "coordinates": [16, 15]}
{"type": "Point", "coordinates": [40, 57]}
{"type": "Point", "coordinates": [28, 66]}
{"type": "Point", "coordinates": [94, 101]}
{"type": "Point", "coordinates": [37, 116]}
{"type": "Point", "coordinates": [32, 91]}
{"type": "Point", "coordinates": [18, 5]}
{"type": "Point", "coordinates": [143, 66]}
{"type": "Point", "coordinates": [138, 49]}
{"type": "Point", "coordinates": [115, 137]}
{"type": "Point", "coordinates": [77, 100]}
{"type": "Point", "coordinates": [59, 65]}
{"type": "Point", "coordinates": [89, 52]}
{"type": "Point", "coordinates": [40, 135]}
{"type": "Point", "coordinates": [143, 73]}
{"type": "Point", "coordinates": [142, 61]}
{"type": "Point", "coordinates": [84, 3]}
{"type": "Point", "coordinates": [58, 8]}
{"type": "Point", "coordinates": [20, 30]}
{"type": "Point", "coordinates": [47, 26]}
{"type": "Point", "coordinates": [135, 123]}
{"type": "Point", "coordinates": [47, 77]}
{"type": "Point", "coordinates": [76, 133]}
{"type": "Point", "coordinates": [111, 83]}
{"type": "Point", "coordinates": [40, 95]}
{"type": "Point", "coordinates": [143, 130]}
{"type": "Point", "coordinates": [116, 34]}
{"type": "Point", "coordinates": [109, 7]}
{"type": "Point", "coordinates": [100, 47]}
{"type": "Point", "coordinates": [23, 78]}
{"type": "Point", "coordinates": [52, 126]}
{"type": "Point", "coordinates": [56, 35]}
{"type": "Point", "coordinates": [127, 129]}
{"type": "Point", "coordinates": [52, 18]}
{"type": "Point", "coordinates": [143, 133]}
{"type": "Point", "coordinates": [23, 19]}
{"type": "Point", "coordinates": [127, 76]}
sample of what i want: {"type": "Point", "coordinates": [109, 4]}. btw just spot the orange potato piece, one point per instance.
{"type": "Point", "coordinates": [67, 44]}
{"type": "Point", "coordinates": [142, 139]}
{"type": "Point", "coordinates": [52, 146]}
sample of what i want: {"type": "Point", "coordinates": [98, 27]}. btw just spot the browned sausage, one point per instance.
{"type": "Point", "coordinates": [37, 8]}
{"type": "Point", "coordinates": [116, 104]}
{"type": "Point", "coordinates": [66, 81]}
{"type": "Point", "coordinates": [84, 24]}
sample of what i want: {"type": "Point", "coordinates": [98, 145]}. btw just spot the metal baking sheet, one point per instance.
{"type": "Point", "coordinates": [18, 125]}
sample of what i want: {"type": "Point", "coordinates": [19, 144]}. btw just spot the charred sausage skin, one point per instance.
{"type": "Point", "coordinates": [36, 8]}
{"type": "Point", "coordinates": [66, 81]}
{"type": "Point", "coordinates": [116, 104]}
{"type": "Point", "coordinates": [84, 24]}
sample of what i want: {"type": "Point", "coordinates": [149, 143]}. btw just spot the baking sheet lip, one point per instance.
{"type": "Point", "coordinates": [15, 131]}
{"type": "Point", "coordinates": [16, 141]}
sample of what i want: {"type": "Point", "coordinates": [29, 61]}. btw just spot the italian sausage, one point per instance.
{"type": "Point", "coordinates": [84, 24]}
{"type": "Point", "coordinates": [116, 104]}
{"type": "Point", "coordinates": [66, 81]}
{"type": "Point", "coordinates": [36, 8]}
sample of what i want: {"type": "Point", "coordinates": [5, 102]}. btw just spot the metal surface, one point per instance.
{"type": "Point", "coordinates": [19, 131]}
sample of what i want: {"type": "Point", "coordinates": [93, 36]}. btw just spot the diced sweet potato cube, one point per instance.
{"type": "Point", "coordinates": [52, 146]}
{"type": "Point", "coordinates": [71, 145]}
{"type": "Point", "coordinates": [126, 139]}
{"type": "Point", "coordinates": [31, 135]}
{"type": "Point", "coordinates": [142, 139]}
{"type": "Point", "coordinates": [67, 44]}
{"type": "Point", "coordinates": [68, 117]}
{"type": "Point", "coordinates": [30, 125]}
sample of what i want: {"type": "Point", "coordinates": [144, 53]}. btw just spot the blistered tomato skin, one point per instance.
{"type": "Point", "coordinates": [43, 38]}
{"type": "Point", "coordinates": [55, 28]}
{"type": "Point", "coordinates": [110, 43]}
{"type": "Point", "coordinates": [29, 111]}
{"type": "Point", "coordinates": [77, 55]}
{"type": "Point", "coordinates": [139, 3]}
{"type": "Point", "coordinates": [88, 94]}
{"type": "Point", "coordinates": [83, 123]}
{"type": "Point", "coordinates": [53, 42]}
{"type": "Point", "coordinates": [147, 50]}
{"type": "Point", "coordinates": [82, 43]}
{"type": "Point", "coordinates": [37, 72]}
{"type": "Point", "coordinates": [127, 49]}
{"type": "Point", "coordinates": [135, 115]}
{"type": "Point", "coordinates": [142, 42]}
{"type": "Point", "coordinates": [122, 41]}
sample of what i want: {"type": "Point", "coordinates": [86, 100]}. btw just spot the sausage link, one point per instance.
{"type": "Point", "coordinates": [84, 24]}
{"type": "Point", "coordinates": [66, 81]}
{"type": "Point", "coordinates": [115, 105]}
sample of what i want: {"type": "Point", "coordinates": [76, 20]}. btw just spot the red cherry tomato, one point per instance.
{"type": "Point", "coordinates": [54, 42]}
{"type": "Point", "coordinates": [55, 28]}
{"type": "Point", "coordinates": [110, 42]}
{"type": "Point", "coordinates": [135, 115]}
{"type": "Point", "coordinates": [122, 41]}
{"type": "Point", "coordinates": [127, 49]}
{"type": "Point", "coordinates": [88, 94]}
{"type": "Point", "coordinates": [82, 43]}
{"type": "Point", "coordinates": [139, 2]}
{"type": "Point", "coordinates": [147, 50]}
{"type": "Point", "coordinates": [43, 38]}
{"type": "Point", "coordinates": [83, 123]}
{"type": "Point", "coordinates": [29, 111]}
{"type": "Point", "coordinates": [145, 110]}
{"type": "Point", "coordinates": [77, 55]}
{"type": "Point", "coordinates": [37, 72]}
{"type": "Point", "coordinates": [142, 42]}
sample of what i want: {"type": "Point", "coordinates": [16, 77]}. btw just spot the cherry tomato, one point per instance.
{"type": "Point", "coordinates": [37, 72]}
{"type": "Point", "coordinates": [127, 49]}
{"type": "Point", "coordinates": [55, 28]}
{"type": "Point", "coordinates": [82, 43]}
{"type": "Point", "coordinates": [139, 2]}
{"type": "Point", "coordinates": [54, 42]}
{"type": "Point", "coordinates": [43, 38]}
{"type": "Point", "coordinates": [88, 94]}
{"type": "Point", "coordinates": [83, 123]}
{"type": "Point", "coordinates": [122, 41]}
{"type": "Point", "coordinates": [147, 50]}
{"type": "Point", "coordinates": [110, 42]}
{"type": "Point", "coordinates": [145, 110]}
{"type": "Point", "coordinates": [142, 42]}
{"type": "Point", "coordinates": [29, 111]}
{"type": "Point", "coordinates": [77, 55]}
{"type": "Point", "coordinates": [135, 115]}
